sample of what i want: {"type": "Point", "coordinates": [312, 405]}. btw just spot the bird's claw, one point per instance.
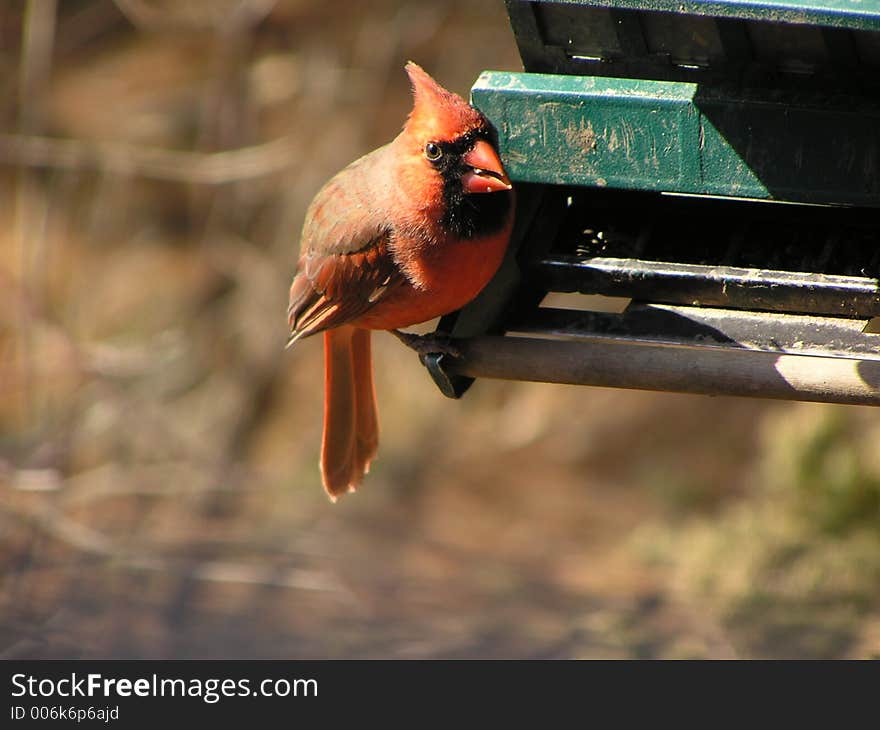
{"type": "Point", "coordinates": [428, 344]}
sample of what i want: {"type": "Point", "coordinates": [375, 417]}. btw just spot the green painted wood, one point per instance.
{"type": "Point", "coordinates": [854, 14]}
{"type": "Point", "coordinates": [678, 137]}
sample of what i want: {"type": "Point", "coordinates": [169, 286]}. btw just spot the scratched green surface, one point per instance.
{"type": "Point", "coordinates": [855, 14]}
{"type": "Point", "coordinates": [672, 136]}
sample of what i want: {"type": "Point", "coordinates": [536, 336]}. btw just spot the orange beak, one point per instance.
{"type": "Point", "coordinates": [486, 174]}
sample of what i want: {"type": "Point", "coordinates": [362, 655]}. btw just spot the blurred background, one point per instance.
{"type": "Point", "coordinates": [159, 490]}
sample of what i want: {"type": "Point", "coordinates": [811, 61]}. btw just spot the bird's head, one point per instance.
{"type": "Point", "coordinates": [451, 149]}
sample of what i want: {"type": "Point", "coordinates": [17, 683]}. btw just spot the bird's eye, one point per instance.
{"type": "Point", "coordinates": [433, 151]}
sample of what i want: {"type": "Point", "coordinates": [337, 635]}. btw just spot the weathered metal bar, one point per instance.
{"type": "Point", "coordinates": [724, 286]}
{"type": "Point", "coordinates": [710, 371]}
{"type": "Point", "coordinates": [683, 137]}
{"type": "Point", "coordinates": [792, 334]}
{"type": "Point", "coordinates": [855, 14]}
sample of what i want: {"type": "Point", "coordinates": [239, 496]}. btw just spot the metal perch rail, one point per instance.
{"type": "Point", "coordinates": [626, 364]}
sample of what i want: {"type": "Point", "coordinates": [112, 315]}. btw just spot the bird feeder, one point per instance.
{"type": "Point", "coordinates": [702, 178]}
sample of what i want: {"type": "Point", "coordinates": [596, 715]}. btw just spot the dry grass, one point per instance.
{"type": "Point", "coordinates": [158, 451]}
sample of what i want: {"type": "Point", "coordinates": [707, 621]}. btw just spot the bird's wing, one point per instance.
{"type": "Point", "coordinates": [334, 288]}
{"type": "Point", "coordinates": [346, 266]}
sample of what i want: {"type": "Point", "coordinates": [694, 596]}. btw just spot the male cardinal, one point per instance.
{"type": "Point", "coordinates": [409, 232]}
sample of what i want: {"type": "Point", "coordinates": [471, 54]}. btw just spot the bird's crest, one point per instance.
{"type": "Point", "coordinates": [436, 111]}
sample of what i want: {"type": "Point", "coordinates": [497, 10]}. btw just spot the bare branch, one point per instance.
{"type": "Point", "coordinates": [215, 168]}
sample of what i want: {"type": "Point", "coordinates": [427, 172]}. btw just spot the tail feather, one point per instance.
{"type": "Point", "coordinates": [366, 416]}
{"type": "Point", "coordinates": [351, 431]}
{"type": "Point", "coordinates": [337, 446]}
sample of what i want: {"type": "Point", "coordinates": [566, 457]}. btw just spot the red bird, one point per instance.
{"type": "Point", "coordinates": [409, 232]}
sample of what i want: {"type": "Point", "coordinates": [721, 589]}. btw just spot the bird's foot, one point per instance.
{"type": "Point", "coordinates": [428, 344]}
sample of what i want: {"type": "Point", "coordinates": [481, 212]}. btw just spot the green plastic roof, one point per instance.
{"type": "Point", "coordinates": [856, 14]}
